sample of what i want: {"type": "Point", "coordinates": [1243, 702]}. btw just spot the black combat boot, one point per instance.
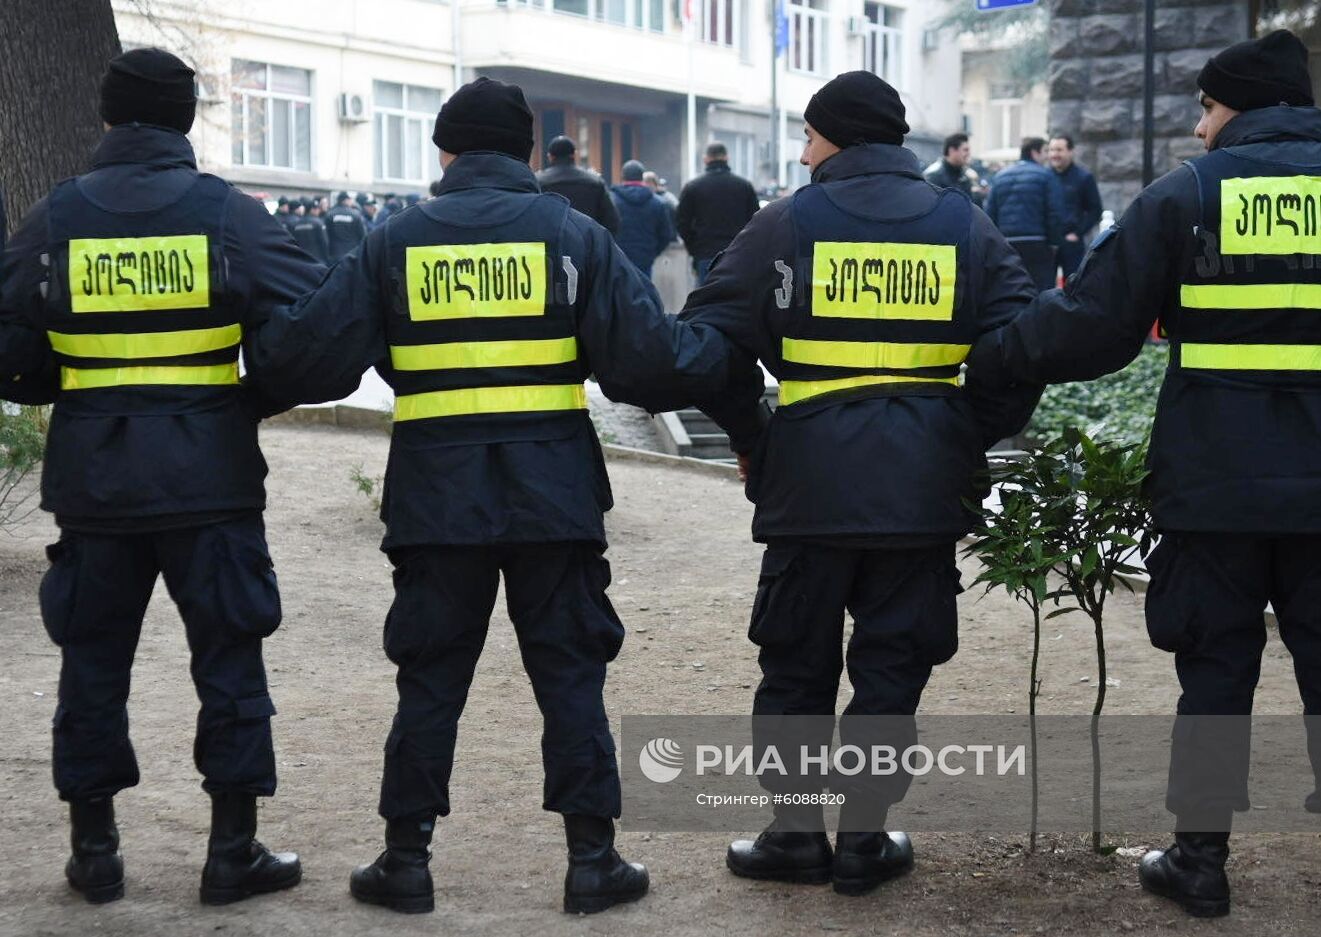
{"type": "Point", "coordinates": [1191, 872]}
{"type": "Point", "coordinates": [865, 860]}
{"type": "Point", "coordinates": [794, 848]}
{"type": "Point", "coordinates": [598, 878]}
{"type": "Point", "coordinates": [237, 866]}
{"type": "Point", "coordinates": [95, 870]}
{"type": "Point", "coordinates": [399, 878]}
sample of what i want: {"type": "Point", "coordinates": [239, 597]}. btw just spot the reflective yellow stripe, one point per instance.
{"type": "Point", "coordinates": [88, 378]}
{"type": "Point", "coordinates": [449, 355]}
{"type": "Point", "coordinates": [796, 391]}
{"type": "Point", "coordinates": [1252, 296]}
{"type": "Point", "coordinates": [139, 274]}
{"type": "Point", "coordinates": [873, 354]}
{"type": "Point", "coordinates": [470, 400]}
{"type": "Point", "coordinates": [147, 344]}
{"type": "Point", "coordinates": [1251, 357]}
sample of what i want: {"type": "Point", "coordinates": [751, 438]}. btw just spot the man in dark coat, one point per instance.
{"type": "Point", "coordinates": [644, 220]}
{"type": "Point", "coordinates": [345, 227]}
{"type": "Point", "coordinates": [713, 208]}
{"type": "Point", "coordinates": [485, 309]}
{"type": "Point", "coordinates": [1027, 205]}
{"type": "Point", "coordinates": [1223, 250]}
{"type": "Point", "coordinates": [862, 294]}
{"type": "Point", "coordinates": [952, 171]}
{"type": "Point", "coordinates": [135, 285]}
{"type": "Point", "coordinates": [586, 191]}
{"type": "Point", "coordinates": [309, 231]}
{"type": "Point", "coordinates": [1082, 202]}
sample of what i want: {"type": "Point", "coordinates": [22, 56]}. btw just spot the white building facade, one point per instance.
{"type": "Point", "coordinates": [306, 96]}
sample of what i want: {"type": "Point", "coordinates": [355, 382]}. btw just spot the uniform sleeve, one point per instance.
{"type": "Point", "coordinates": [28, 373]}
{"type": "Point", "coordinates": [1055, 210]}
{"type": "Point", "coordinates": [1003, 290]}
{"type": "Point", "coordinates": [735, 299]}
{"type": "Point", "coordinates": [316, 348]}
{"type": "Point", "coordinates": [638, 353]}
{"type": "Point", "coordinates": [1098, 322]}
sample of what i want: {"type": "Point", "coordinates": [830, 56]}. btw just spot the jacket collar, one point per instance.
{"type": "Point", "coordinates": [867, 159]}
{"type": "Point", "coordinates": [1271, 123]}
{"type": "Point", "coordinates": [144, 143]}
{"type": "Point", "coordinates": [482, 169]}
{"type": "Point", "coordinates": [719, 165]}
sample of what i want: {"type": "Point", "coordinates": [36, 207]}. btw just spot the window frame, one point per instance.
{"type": "Point", "coordinates": [425, 119]}
{"type": "Point", "coordinates": [240, 106]}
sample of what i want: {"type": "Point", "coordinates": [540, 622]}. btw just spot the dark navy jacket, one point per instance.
{"type": "Point", "coordinates": [147, 452]}
{"type": "Point", "coordinates": [869, 470]}
{"type": "Point", "coordinates": [644, 224]}
{"type": "Point", "coordinates": [1027, 201]}
{"type": "Point", "coordinates": [1082, 200]}
{"type": "Point", "coordinates": [1226, 453]}
{"type": "Point", "coordinates": [504, 477]}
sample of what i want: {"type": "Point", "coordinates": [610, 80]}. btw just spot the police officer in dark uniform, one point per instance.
{"type": "Point", "coordinates": [345, 227]}
{"type": "Point", "coordinates": [485, 308]}
{"type": "Point", "coordinates": [861, 294]}
{"type": "Point", "coordinates": [1225, 251]}
{"type": "Point", "coordinates": [309, 231]}
{"type": "Point", "coordinates": [133, 284]}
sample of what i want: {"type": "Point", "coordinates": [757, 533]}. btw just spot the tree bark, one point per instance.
{"type": "Point", "coordinates": [52, 56]}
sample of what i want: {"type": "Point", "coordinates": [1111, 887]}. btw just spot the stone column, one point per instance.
{"type": "Point", "coordinates": [1096, 73]}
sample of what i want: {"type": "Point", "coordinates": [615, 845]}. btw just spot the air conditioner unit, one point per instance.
{"type": "Point", "coordinates": [352, 108]}
{"type": "Point", "coordinates": [930, 40]}
{"type": "Point", "coordinates": [855, 25]}
{"type": "Point", "coordinates": [208, 88]}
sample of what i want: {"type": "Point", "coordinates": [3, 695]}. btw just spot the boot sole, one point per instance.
{"type": "Point", "coordinates": [101, 894]}
{"type": "Point", "coordinates": [1197, 907]}
{"type": "Point", "coordinates": [223, 896]}
{"type": "Point", "coordinates": [598, 903]}
{"type": "Point", "coordinates": [420, 904]}
{"type": "Point", "coordinates": [817, 875]}
{"type": "Point", "coordinates": [854, 887]}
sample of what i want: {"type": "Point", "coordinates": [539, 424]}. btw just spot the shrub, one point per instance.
{"type": "Point", "coordinates": [1118, 408]}
{"type": "Point", "coordinates": [22, 442]}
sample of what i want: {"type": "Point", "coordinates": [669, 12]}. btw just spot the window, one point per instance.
{"type": "Point", "coordinates": [639, 14]}
{"type": "Point", "coordinates": [1006, 116]}
{"type": "Point", "coordinates": [882, 42]}
{"type": "Point", "coordinates": [403, 119]}
{"type": "Point", "coordinates": [808, 20]}
{"type": "Point", "coordinates": [272, 119]}
{"type": "Point", "coordinates": [744, 157]}
{"type": "Point", "coordinates": [717, 21]}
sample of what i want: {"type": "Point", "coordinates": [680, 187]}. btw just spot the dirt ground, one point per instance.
{"type": "Point", "coordinates": [685, 571]}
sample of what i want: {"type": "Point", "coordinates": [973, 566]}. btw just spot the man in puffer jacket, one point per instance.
{"type": "Point", "coordinates": [644, 219]}
{"type": "Point", "coordinates": [1027, 205]}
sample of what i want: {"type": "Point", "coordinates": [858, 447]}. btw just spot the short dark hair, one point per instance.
{"type": "Point", "coordinates": [1068, 140]}
{"type": "Point", "coordinates": [561, 147]}
{"type": "Point", "coordinates": [716, 151]}
{"type": "Point", "coordinates": [1031, 145]}
{"type": "Point", "coordinates": [953, 142]}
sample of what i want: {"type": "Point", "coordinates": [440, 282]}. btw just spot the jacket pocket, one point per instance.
{"type": "Point", "coordinates": [1169, 608]}
{"type": "Point", "coordinates": [58, 593]}
{"type": "Point", "coordinates": [248, 594]}
{"type": "Point", "coordinates": [780, 606]}
{"type": "Point", "coordinates": [938, 637]}
{"type": "Point", "coordinates": [604, 630]}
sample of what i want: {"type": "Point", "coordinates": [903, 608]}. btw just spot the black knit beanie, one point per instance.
{"type": "Point", "coordinates": [857, 107]}
{"type": "Point", "coordinates": [486, 115]}
{"type": "Point", "coordinates": [149, 86]}
{"type": "Point", "coordinates": [1259, 73]}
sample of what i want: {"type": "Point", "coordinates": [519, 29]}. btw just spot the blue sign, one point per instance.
{"type": "Point", "coordinates": [984, 6]}
{"type": "Point", "coordinates": [782, 28]}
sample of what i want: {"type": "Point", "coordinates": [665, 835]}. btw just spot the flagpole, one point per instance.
{"type": "Point", "coordinates": [691, 26]}
{"type": "Point", "coordinates": [776, 142]}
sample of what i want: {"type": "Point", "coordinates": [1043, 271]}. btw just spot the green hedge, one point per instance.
{"type": "Point", "coordinates": [22, 443]}
{"type": "Point", "coordinates": [1117, 408]}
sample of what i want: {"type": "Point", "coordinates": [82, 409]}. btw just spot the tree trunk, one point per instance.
{"type": "Point", "coordinates": [52, 56]}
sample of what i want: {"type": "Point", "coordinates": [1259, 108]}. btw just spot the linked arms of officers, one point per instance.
{"type": "Point", "coordinates": [315, 348]}
{"type": "Point", "coordinates": [28, 373]}
{"type": "Point", "coordinates": [1097, 323]}
{"type": "Point", "coordinates": [636, 352]}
